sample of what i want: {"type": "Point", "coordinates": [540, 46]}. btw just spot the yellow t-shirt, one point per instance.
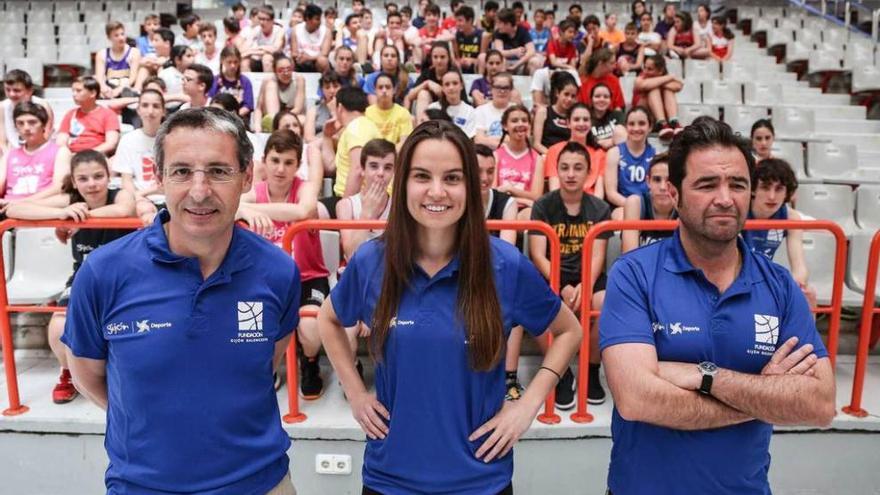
{"type": "Point", "coordinates": [356, 134]}
{"type": "Point", "coordinates": [393, 124]}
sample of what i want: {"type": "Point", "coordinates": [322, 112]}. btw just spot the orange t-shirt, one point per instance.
{"type": "Point", "coordinates": [613, 39]}
{"type": "Point", "coordinates": [597, 164]}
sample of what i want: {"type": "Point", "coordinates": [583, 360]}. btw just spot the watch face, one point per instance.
{"type": "Point", "coordinates": [708, 367]}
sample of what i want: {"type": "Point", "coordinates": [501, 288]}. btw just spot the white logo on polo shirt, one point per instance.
{"type": "Point", "coordinates": [144, 326]}
{"type": "Point", "coordinates": [678, 328]}
{"type": "Point", "coordinates": [404, 323]}
{"type": "Point", "coordinates": [766, 329]}
{"type": "Point", "coordinates": [250, 316]}
{"type": "Point", "coordinates": [657, 327]}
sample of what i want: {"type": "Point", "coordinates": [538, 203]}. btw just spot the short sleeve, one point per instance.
{"type": "Point", "coordinates": [347, 296]}
{"type": "Point", "coordinates": [215, 87]}
{"type": "Point", "coordinates": [122, 160]}
{"type": "Point", "coordinates": [111, 120]}
{"type": "Point", "coordinates": [799, 321]}
{"type": "Point", "coordinates": [289, 319]}
{"type": "Point", "coordinates": [625, 318]}
{"type": "Point", "coordinates": [535, 304]}
{"type": "Point", "coordinates": [83, 332]}
{"type": "Point", "coordinates": [65, 122]}
{"type": "Point", "coordinates": [248, 93]}
{"type": "Point", "coordinates": [604, 215]}
{"type": "Point", "coordinates": [369, 85]}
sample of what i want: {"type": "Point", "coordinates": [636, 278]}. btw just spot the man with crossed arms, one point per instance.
{"type": "Point", "coordinates": [706, 345]}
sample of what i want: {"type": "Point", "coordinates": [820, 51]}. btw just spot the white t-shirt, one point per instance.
{"type": "Point", "coordinates": [309, 43]}
{"type": "Point", "coordinates": [173, 80]}
{"type": "Point", "coordinates": [702, 31]}
{"type": "Point", "coordinates": [645, 38]}
{"type": "Point", "coordinates": [212, 63]}
{"type": "Point", "coordinates": [462, 115]}
{"type": "Point", "coordinates": [488, 119]}
{"type": "Point", "coordinates": [135, 156]}
{"type": "Point", "coordinates": [261, 39]}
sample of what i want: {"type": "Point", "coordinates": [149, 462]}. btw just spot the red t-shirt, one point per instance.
{"type": "Point", "coordinates": [448, 23]}
{"type": "Point", "coordinates": [610, 80]}
{"type": "Point", "coordinates": [88, 130]}
{"type": "Point", "coordinates": [566, 51]}
{"type": "Point", "coordinates": [428, 39]}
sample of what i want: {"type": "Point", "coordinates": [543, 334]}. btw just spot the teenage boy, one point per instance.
{"type": "Point", "coordinates": [197, 82]}
{"type": "Point", "coordinates": [490, 14]}
{"type": "Point", "coordinates": [468, 39]}
{"type": "Point", "coordinates": [311, 42]}
{"type": "Point", "coordinates": [189, 23]}
{"type": "Point", "coordinates": [668, 20]}
{"type": "Point", "coordinates": [268, 38]}
{"type": "Point", "coordinates": [431, 31]}
{"type": "Point", "coordinates": [18, 87]}
{"type": "Point", "coordinates": [514, 42]}
{"type": "Point", "coordinates": [357, 130]}
{"type": "Point", "coordinates": [270, 207]}
{"type": "Point", "coordinates": [450, 22]}
{"type": "Point", "coordinates": [540, 34]}
{"type": "Point", "coordinates": [150, 25]}
{"type": "Point", "coordinates": [561, 54]}
{"type": "Point", "coordinates": [571, 212]}
{"type": "Point", "coordinates": [611, 36]}
{"type": "Point", "coordinates": [116, 66]}
{"type": "Point", "coordinates": [88, 126]}
{"type": "Point", "coordinates": [210, 54]}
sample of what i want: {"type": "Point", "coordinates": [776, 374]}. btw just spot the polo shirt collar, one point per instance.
{"type": "Point", "coordinates": [448, 271]}
{"type": "Point", "coordinates": [237, 256]}
{"type": "Point", "coordinates": [677, 262]}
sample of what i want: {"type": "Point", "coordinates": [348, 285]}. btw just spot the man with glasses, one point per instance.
{"type": "Point", "coordinates": [197, 82]}
{"type": "Point", "coordinates": [175, 329]}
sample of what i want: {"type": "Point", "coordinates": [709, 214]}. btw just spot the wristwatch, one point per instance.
{"type": "Point", "coordinates": [708, 369]}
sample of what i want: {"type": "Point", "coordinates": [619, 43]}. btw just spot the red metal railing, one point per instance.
{"type": "Point", "coordinates": [868, 311]}
{"type": "Point", "coordinates": [15, 406]}
{"type": "Point", "coordinates": [582, 415]}
{"type": "Point", "coordinates": [294, 414]}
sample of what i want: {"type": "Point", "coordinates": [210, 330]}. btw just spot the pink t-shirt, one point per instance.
{"type": "Point", "coordinates": [306, 245]}
{"type": "Point", "coordinates": [516, 170]}
{"type": "Point", "coordinates": [88, 130]}
{"type": "Point", "coordinates": [29, 173]}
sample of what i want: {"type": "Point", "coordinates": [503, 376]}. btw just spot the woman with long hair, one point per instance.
{"type": "Point", "coordinates": [580, 122]}
{"type": "Point", "coordinates": [440, 297]}
{"type": "Point", "coordinates": [720, 40]}
{"type": "Point", "coordinates": [657, 88]}
{"type": "Point", "coordinates": [481, 89]}
{"type": "Point", "coordinates": [451, 102]}
{"type": "Point", "coordinates": [763, 136]}
{"type": "Point", "coordinates": [607, 123]}
{"type": "Point", "coordinates": [232, 81]}
{"type": "Point", "coordinates": [627, 164]}
{"type": "Point", "coordinates": [551, 124]}
{"type": "Point", "coordinates": [520, 166]}
{"type": "Point", "coordinates": [85, 194]}
{"type": "Point", "coordinates": [682, 42]}
{"type": "Point", "coordinates": [427, 88]}
{"type": "Point", "coordinates": [389, 64]}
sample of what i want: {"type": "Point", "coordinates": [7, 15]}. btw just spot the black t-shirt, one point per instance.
{"type": "Point", "coordinates": [604, 128]}
{"type": "Point", "coordinates": [469, 45]}
{"type": "Point", "coordinates": [84, 241]}
{"type": "Point", "coordinates": [497, 203]}
{"type": "Point", "coordinates": [571, 229]}
{"type": "Point", "coordinates": [521, 38]}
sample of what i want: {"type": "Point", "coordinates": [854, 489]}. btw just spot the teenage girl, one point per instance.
{"type": "Point", "coordinates": [551, 125]}
{"type": "Point", "coordinates": [520, 166]}
{"type": "Point", "coordinates": [85, 194]}
{"type": "Point", "coordinates": [626, 167]}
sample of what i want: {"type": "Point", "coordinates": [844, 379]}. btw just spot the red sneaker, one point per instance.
{"type": "Point", "coordinates": [64, 391]}
{"type": "Point", "coordinates": [666, 132]}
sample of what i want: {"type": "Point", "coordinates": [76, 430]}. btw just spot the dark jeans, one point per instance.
{"type": "Point", "coordinates": [368, 491]}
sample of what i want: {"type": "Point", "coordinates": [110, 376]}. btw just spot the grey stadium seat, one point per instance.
{"type": "Point", "coordinates": [819, 249]}
{"type": "Point", "coordinates": [828, 161]}
{"type": "Point", "coordinates": [829, 202]}
{"type": "Point", "coordinates": [793, 122]}
{"type": "Point", "coordinates": [722, 93]}
{"type": "Point", "coordinates": [868, 207]}
{"type": "Point", "coordinates": [740, 117]}
{"type": "Point", "coordinates": [687, 113]}
{"type": "Point", "coordinates": [857, 263]}
{"type": "Point", "coordinates": [762, 93]}
{"type": "Point", "coordinates": [701, 70]}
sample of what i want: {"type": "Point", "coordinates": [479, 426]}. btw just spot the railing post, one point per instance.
{"type": "Point", "coordinates": [855, 404]}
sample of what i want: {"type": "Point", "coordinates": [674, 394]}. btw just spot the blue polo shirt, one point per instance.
{"type": "Point", "coordinates": [655, 296]}
{"type": "Point", "coordinates": [191, 403]}
{"type": "Point", "coordinates": [435, 399]}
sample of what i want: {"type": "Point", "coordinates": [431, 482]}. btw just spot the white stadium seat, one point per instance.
{"type": "Point", "coordinates": [330, 247]}
{"type": "Point", "coordinates": [740, 117]}
{"type": "Point", "coordinates": [687, 113]}
{"type": "Point", "coordinates": [762, 93]}
{"type": "Point", "coordinates": [828, 161]}
{"type": "Point", "coordinates": [793, 122]}
{"type": "Point", "coordinates": [819, 253]}
{"type": "Point", "coordinates": [39, 279]}
{"type": "Point", "coordinates": [828, 202]}
{"type": "Point", "coordinates": [722, 93]}
{"type": "Point", "coordinates": [701, 70]}
{"type": "Point", "coordinates": [857, 262]}
{"type": "Point", "coordinates": [690, 93]}
{"type": "Point", "coordinates": [867, 210]}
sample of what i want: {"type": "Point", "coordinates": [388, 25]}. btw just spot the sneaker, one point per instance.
{"type": "Point", "coordinates": [514, 389]}
{"type": "Point", "coordinates": [64, 391]}
{"type": "Point", "coordinates": [310, 383]}
{"type": "Point", "coordinates": [658, 126]}
{"type": "Point", "coordinates": [595, 392]}
{"type": "Point", "coordinates": [676, 128]}
{"type": "Point", "coordinates": [565, 391]}
{"type": "Point", "coordinates": [667, 132]}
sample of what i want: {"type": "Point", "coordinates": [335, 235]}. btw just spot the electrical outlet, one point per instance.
{"type": "Point", "coordinates": [333, 464]}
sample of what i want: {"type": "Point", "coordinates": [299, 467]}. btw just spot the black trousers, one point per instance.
{"type": "Point", "coordinates": [368, 491]}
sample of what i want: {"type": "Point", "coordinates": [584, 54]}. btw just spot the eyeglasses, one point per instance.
{"type": "Point", "coordinates": [502, 88]}
{"type": "Point", "coordinates": [264, 19]}
{"type": "Point", "coordinates": [213, 174]}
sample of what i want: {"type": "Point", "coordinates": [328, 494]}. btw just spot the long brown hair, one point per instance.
{"type": "Point", "coordinates": [479, 309]}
